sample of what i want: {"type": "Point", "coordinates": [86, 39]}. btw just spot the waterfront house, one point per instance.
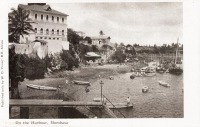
{"type": "Point", "coordinates": [50, 26]}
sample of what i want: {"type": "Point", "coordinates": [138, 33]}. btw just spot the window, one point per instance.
{"type": "Point", "coordinates": [35, 16]}
{"type": "Point", "coordinates": [35, 30]}
{"type": "Point", "coordinates": [36, 38]}
{"type": "Point", "coordinates": [62, 20]}
{"type": "Point", "coordinates": [41, 31]}
{"type": "Point", "coordinates": [52, 31]}
{"type": "Point", "coordinates": [47, 17]}
{"type": "Point", "coordinates": [52, 18]}
{"type": "Point", "coordinates": [41, 17]}
{"type": "Point", "coordinates": [57, 38]}
{"type": "Point", "coordinates": [49, 38]}
{"type": "Point", "coordinates": [45, 38]}
{"type": "Point", "coordinates": [57, 19]}
{"type": "Point", "coordinates": [62, 32]}
{"type": "Point", "coordinates": [57, 32]}
{"type": "Point", "coordinates": [53, 38]}
{"type": "Point", "coordinates": [40, 37]}
{"type": "Point", "coordinates": [47, 31]}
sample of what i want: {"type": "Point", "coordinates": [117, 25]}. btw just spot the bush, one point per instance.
{"type": "Point", "coordinates": [119, 56]}
{"type": "Point", "coordinates": [69, 59]}
{"type": "Point", "coordinates": [35, 68]}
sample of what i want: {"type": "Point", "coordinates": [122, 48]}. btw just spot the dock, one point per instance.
{"type": "Point", "coordinates": [64, 108]}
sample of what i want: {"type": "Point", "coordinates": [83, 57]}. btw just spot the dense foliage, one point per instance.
{"type": "Point", "coordinates": [119, 56]}
{"type": "Point", "coordinates": [19, 24]}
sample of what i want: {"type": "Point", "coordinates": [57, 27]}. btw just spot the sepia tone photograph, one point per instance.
{"type": "Point", "coordinates": [96, 60]}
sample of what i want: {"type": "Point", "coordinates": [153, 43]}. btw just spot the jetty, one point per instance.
{"type": "Point", "coordinates": [64, 108]}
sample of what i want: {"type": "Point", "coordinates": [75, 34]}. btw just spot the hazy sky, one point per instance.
{"type": "Point", "coordinates": [143, 23]}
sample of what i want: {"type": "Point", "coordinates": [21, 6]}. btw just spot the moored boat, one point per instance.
{"type": "Point", "coordinates": [39, 87]}
{"type": "Point", "coordinates": [119, 105]}
{"type": "Point", "coordinates": [80, 82]}
{"type": "Point", "coordinates": [163, 84]}
{"type": "Point", "coordinates": [145, 89]}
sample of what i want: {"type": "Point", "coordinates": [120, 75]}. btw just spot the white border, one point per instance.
{"type": "Point", "coordinates": [191, 38]}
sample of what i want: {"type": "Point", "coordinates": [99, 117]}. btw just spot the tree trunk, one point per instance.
{"type": "Point", "coordinates": [14, 89]}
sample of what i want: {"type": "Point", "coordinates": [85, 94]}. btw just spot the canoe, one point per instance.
{"type": "Point", "coordinates": [80, 82]}
{"type": "Point", "coordinates": [163, 84]}
{"type": "Point", "coordinates": [98, 99]}
{"type": "Point", "coordinates": [39, 87]}
{"type": "Point", "coordinates": [149, 74]}
{"type": "Point", "coordinates": [119, 105]}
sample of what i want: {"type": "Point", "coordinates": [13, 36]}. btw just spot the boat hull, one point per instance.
{"type": "Point", "coordinates": [39, 87]}
{"type": "Point", "coordinates": [80, 82]}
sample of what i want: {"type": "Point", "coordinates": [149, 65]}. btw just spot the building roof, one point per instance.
{"type": "Point", "coordinates": [100, 37]}
{"type": "Point", "coordinates": [92, 54]}
{"type": "Point", "coordinates": [41, 8]}
{"type": "Point", "coordinates": [42, 41]}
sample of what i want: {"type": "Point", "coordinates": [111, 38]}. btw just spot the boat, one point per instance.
{"type": "Point", "coordinates": [119, 105]}
{"type": "Point", "coordinates": [39, 87]}
{"type": "Point", "coordinates": [149, 74]}
{"type": "Point", "coordinates": [80, 82]}
{"type": "Point", "coordinates": [175, 69]}
{"type": "Point", "coordinates": [99, 99]}
{"type": "Point", "coordinates": [163, 84]}
{"type": "Point", "coordinates": [145, 89]}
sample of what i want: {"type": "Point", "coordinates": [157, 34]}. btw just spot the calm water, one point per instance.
{"type": "Point", "coordinates": [158, 102]}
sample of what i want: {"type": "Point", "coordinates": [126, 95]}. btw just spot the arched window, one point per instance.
{"type": "Point", "coordinates": [47, 17]}
{"type": "Point", "coordinates": [35, 16]}
{"type": "Point", "coordinates": [62, 20]}
{"type": "Point", "coordinates": [41, 31]}
{"type": "Point", "coordinates": [47, 31]}
{"type": "Point", "coordinates": [35, 30]}
{"type": "Point", "coordinates": [57, 19]}
{"type": "Point", "coordinates": [41, 17]}
{"type": "Point", "coordinates": [52, 18]}
{"type": "Point", "coordinates": [63, 32]}
{"type": "Point", "coordinates": [57, 32]}
{"type": "Point", "coordinates": [52, 31]}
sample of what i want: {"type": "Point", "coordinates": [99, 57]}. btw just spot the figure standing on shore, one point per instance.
{"type": "Point", "coordinates": [128, 100]}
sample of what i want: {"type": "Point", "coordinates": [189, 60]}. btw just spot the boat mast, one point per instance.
{"type": "Point", "coordinates": [176, 52]}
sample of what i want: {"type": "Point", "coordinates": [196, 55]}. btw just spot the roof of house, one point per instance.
{"type": "Point", "coordinates": [41, 8]}
{"type": "Point", "coordinates": [42, 41]}
{"type": "Point", "coordinates": [100, 37]}
{"type": "Point", "coordinates": [92, 54]}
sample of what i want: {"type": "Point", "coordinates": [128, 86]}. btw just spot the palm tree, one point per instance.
{"type": "Point", "coordinates": [101, 33]}
{"type": "Point", "coordinates": [19, 24]}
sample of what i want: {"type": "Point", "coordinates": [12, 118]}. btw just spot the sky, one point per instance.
{"type": "Point", "coordinates": [140, 22]}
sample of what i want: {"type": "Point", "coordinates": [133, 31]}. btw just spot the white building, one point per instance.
{"type": "Point", "coordinates": [49, 25]}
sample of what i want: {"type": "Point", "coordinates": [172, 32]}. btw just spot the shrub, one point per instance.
{"type": "Point", "coordinates": [69, 59]}
{"type": "Point", "coordinates": [35, 68]}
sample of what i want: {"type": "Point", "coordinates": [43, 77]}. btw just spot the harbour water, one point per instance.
{"type": "Point", "coordinates": [158, 102]}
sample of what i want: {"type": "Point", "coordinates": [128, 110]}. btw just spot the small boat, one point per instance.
{"type": "Point", "coordinates": [119, 105]}
{"type": "Point", "coordinates": [145, 89]}
{"type": "Point", "coordinates": [80, 82]}
{"type": "Point", "coordinates": [163, 84]}
{"type": "Point", "coordinates": [39, 87]}
{"type": "Point", "coordinates": [99, 99]}
{"type": "Point", "coordinates": [149, 74]}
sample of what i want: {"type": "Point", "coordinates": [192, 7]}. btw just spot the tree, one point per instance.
{"type": "Point", "coordinates": [19, 24]}
{"type": "Point", "coordinates": [73, 37]}
{"type": "Point", "coordinates": [119, 56]}
{"type": "Point", "coordinates": [88, 39]}
{"type": "Point", "coordinates": [101, 33]}
{"type": "Point", "coordinates": [16, 71]}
